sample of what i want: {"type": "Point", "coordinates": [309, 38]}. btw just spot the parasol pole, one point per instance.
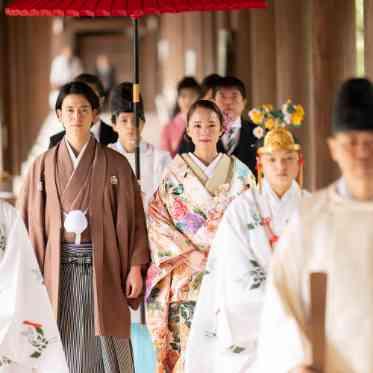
{"type": "Point", "coordinates": [136, 92]}
{"type": "Point", "coordinates": [136, 101]}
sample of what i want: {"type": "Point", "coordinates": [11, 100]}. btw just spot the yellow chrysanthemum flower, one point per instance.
{"type": "Point", "coordinates": [269, 124]}
{"type": "Point", "coordinates": [256, 116]}
{"type": "Point", "coordinates": [267, 107]}
{"type": "Point", "coordinates": [299, 110]}
{"type": "Point", "coordinates": [297, 119]}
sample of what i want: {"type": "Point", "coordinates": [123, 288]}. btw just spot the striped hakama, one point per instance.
{"type": "Point", "coordinates": [85, 352]}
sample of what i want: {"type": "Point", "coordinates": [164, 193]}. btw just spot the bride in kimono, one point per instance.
{"type": "Point", "coordinates": [83, 210]}
{"type": "Point", "coordinates": [224, 333]}
{"type": "Point", "coordinates": [29, 338]}
{"type": "Point", "coordinates": [183, 216]}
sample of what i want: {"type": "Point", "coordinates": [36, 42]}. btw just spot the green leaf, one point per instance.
{"type": "Point", "coordinates": [35, 355]}
{"type": "Point", "coordinates": [236, 349]}
{"type": "Point", "coordinates": [40, 331]}
{"type": "Point", "coordinates": [199, 212]}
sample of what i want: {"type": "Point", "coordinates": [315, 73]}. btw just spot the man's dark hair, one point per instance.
{"type": "Point", "coordinates": [92, 80]}
{"type": "Point", "coordinates": [121, 101]}
{"type": "Point", "coordinates": [231, 82]}
{"type": "Point", "coordinates": [77, 88]}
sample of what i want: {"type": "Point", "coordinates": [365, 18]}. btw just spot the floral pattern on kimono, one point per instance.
{"type": "Point", "coordinates": [183, 217]}
{"type": "Point", "coordinates": [223, 337]}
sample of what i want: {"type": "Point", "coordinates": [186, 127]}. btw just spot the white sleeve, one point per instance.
{"type": "Point", "coordinates": [29, 337]}
{"type": "Point", "coordinates": [225, 325]}
{"type": "Point", "coordinates": [283, 343]}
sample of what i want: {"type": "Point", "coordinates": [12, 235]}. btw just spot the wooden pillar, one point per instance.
{"type": "Point", "coordinates": [209, 40]}
{"type": "Point", "coordinates": [333, 60]}
{"type": "Point", "coordinates": [263, 56]}
{"type": "Point", "coordinates": [149, 72]}
{"type": "Point", "coordinates": [2, 87]}
{"type": "Point", "coordinates": [27, 84]}
{"type": "Point", "coordinates": [368, 37]}
{"type": "Point", "coordinates": [171, 54]}
{"type": "Point", "coordinates": [242, 68]}
{"type": "Point", "coordinates": [193, 43]}
{"type": "Point", "coordinates": [292, 67]}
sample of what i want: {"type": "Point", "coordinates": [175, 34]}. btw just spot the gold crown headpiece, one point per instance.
{"type": "Point", "coordinates": [272, 125]}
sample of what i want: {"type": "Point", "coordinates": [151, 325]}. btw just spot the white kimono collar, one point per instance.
{"type": "Point", "coordinates": [273, 197]}
{"type": "Point", "coordinates": [76, 159]}
{"type": "Point", "coordinates": [145, 148]}
{"type": "Point", "coordinates": [207, 170]}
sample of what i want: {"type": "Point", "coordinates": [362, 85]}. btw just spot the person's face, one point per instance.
{"type": "Point", "coordinates": [230, 102]}
{"type": "Point", "coordinates": [125, 126]}
{"type": "Point", "coordinates": [76, 114]}
{"type": "Point", "coordinates": [353, 152]}
{"type": "Point", "coordinates": [204, 129]}
{"type": "Point", "coordinates": [186, 98]}
{"type": "Point", "coordinates": [280, 168]}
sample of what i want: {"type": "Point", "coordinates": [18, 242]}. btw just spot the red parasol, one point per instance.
{"type": "Point", "coordinates": [114, 8]}
{"type": "Point", "coordinates": [131, 8]}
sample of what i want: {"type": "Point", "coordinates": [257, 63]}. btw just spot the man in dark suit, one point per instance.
{"type": "Point", "coordinates": [103, 132]}
{"type": "Point", "coordinates": [238, 140]}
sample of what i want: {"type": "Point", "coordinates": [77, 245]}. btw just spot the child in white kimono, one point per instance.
{"type": "Point", "coordinates": [152, 160]}
{"type": "Point", "coordinates": [29, 338]}
{"type": "Point", "coordinates": [226, 322]}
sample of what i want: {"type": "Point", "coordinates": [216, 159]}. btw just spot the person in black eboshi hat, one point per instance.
{"type": "Point", "coordinates": [331, 234]}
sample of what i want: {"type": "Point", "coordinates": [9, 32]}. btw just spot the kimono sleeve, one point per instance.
{"type": "Point", "coordinates": [167, 243]}
{"type": "Point", "coordinates": [139, 253]}
{"type": "Point", "coordinates": [29, 338]}
{"type": "Point", "coordinates": [283, 341]}
{"type": "Point", "coordinates": [31, 205]}
{"type": "Point", "coordinates": [230, 301]}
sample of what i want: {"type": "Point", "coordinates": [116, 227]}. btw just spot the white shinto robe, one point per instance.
{"type": "Point", "coordinates": [333, 234]}
{"type": "Point", "coordinates": [224, 331]}
{"type": "Point", "coordinates": [29, 338]}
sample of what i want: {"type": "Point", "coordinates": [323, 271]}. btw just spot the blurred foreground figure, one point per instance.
{"type": "Point", "coordinates": [29, 338]}
{"type": "Point", "coordinates": [332, 233]}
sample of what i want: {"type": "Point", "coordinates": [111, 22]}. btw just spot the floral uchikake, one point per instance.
{"type": "Point", "coordinates": [268, 118]}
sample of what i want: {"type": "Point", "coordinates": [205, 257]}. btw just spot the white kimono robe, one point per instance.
{"type": "Point", "coordinates": [29, 338]}
{"type": "Point", "coordinates": [225, 325]}
{"type": "Point", "coordinates": [152, 163]}
{"type": "Point", "coordinates": [331, 234]}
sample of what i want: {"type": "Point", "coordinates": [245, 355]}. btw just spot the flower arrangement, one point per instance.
{"type": "Point", "coordinates": [268, 118]}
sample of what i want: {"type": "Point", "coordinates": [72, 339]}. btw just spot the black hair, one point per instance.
{"type": "Point", "coordinates": [206, 104]}
{"type": "Point", "coordinates": [188, 83]}
{"type": "Point", "coordinates": [186, 145]}
{"type": "Point", "coordinates": [77, 88]}
{"type": "Point", "coordinates": [92, 80]}
{"type": "Point", "coordinates": [209, 82]}
{"type": "Point", "coordinates": [231, 82]}
{"type": "Point", "coordinates": [121, 101]}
